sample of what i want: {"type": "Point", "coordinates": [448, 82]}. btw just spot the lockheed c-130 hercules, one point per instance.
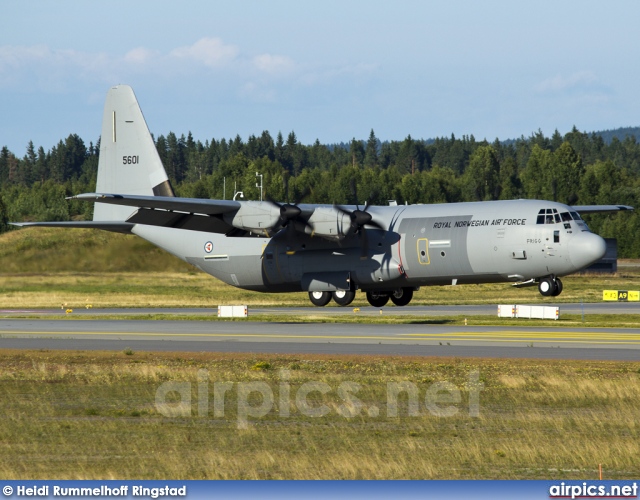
{"type": "Point", "coordinates": [331, 251]}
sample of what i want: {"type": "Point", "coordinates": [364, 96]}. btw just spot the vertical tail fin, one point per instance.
{"type": "Point", "coordinates": [129, 162]}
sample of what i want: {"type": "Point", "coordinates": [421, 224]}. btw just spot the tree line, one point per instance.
{"type": "Point", "coordinates": [577, 168]}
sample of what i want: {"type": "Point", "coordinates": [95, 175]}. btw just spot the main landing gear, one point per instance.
{"type": "Point", "coordinates": [341, 297]}
{"type": "Point", "coordinates": [399, 296]}
{"type": "Point", "coordinates": [550, 286]}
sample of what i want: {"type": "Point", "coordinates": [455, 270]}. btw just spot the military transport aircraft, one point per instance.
{"type": "Point", "coordinates": [387, 252]}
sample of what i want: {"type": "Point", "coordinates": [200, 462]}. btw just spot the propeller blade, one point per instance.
{"type": "Point", "coordinates": [290, 212]}
{"type": "Point", "coordinates": [305, 192]}
{"type": "Point", "coordinates": [360, 219]}
{"type": "Point", "coordinates": [364, 245]}
{"type": "Point", "coordinates": [354, 192]}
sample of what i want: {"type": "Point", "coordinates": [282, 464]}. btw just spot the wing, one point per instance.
{"type": "Point", "coordinates": [594, 209]}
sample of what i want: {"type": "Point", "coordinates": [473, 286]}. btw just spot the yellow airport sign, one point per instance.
{"type": "Point", "coordinates": [621, 295]}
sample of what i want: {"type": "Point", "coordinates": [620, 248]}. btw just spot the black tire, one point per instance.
{"type": "Point", "coordinates": [546, 287]}
{"type": "Point", "coordinates": [558, 289]}
{"type": "Point", "coordinates": [344, 297]}
{"type": "Point", "coordinates": [377, 299]}
{"type": "Point", "coordinates": [319, 299]}
{"type": "Point", "coordinates": [402, 296]}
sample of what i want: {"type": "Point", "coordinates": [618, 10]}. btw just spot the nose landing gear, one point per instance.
{"type": "Point", "coordinates": [550, 286]}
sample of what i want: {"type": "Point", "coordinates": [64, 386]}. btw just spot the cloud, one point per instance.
{"type": "Point", "coordinates": [330, 74]}
{"type": "Point", "coordinates": [38, 66]}
{"type": "Point", "coordinates": [582, 80]}
{"type": "Point", "coordinates": [257, 93]}
{"type": "Point", "coordinates": [139, 55]}
{"type": "Point", "coordinates": [263, 77]}
{"type": "Point", "coordinates": [273, 64]}
{"type": "Point", "coordinates": [211, 52]}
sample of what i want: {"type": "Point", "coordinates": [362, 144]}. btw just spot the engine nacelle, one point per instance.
{"type": "Point", "coordinates": [254, 216]}
{"type": "Point", "coordinates": [329, 223]}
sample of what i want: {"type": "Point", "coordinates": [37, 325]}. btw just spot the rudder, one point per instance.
{"type": "Point", "coordinates": [129, 162]}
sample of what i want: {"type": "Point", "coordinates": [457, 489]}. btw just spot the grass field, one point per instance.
{"type": "Point", "coordinates": [196, 289]}
{"type": "Point", "coordinates": [73, 414]}
{"type": "Point", "coordinates": [50, 267]}
{"type": "Point", "coordinates": [93, 415]}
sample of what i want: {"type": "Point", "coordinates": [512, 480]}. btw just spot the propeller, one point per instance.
{"type": "Point", "coordinates": [290, 215]}
{"type": "Point", "coordinates": [359, 219]}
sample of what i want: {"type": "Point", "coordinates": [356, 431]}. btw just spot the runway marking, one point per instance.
{"type": "Point", "coordinates": [182, 335]}
{"type": "Point", "coordinates": [498, 337]}
{"type": "Point", "coordinates": [582, 335]}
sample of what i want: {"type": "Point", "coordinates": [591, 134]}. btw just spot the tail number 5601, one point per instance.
{"type": "Point", "coordinates": [130, 160]}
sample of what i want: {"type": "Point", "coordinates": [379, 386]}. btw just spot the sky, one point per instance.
{"type": "Point", "coordinates": [328, 70]}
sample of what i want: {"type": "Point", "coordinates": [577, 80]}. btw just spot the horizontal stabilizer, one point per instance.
{"type": "Point", "coordinates": [113, 226]}
{"type": "Point", "coordinates": [189, 205]}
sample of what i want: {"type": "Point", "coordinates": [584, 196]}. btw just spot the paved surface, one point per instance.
{"type": "Point", "coordinates": [472, 310]}
{"type": "Point", "coordinates": [428, 338]}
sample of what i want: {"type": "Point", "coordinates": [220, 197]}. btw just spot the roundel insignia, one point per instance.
{"type": "Point", "coordinates": [208, 247]}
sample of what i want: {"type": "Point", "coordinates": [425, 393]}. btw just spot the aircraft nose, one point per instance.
{"type": "Point", "coordinates": [586, 248]}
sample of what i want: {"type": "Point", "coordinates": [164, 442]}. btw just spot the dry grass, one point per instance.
{"type": "Point", "coordinates": [92, 415]}
{"type": "Point", "coordinates": [48, 267]}
{"type": "Point", "coordinates": [196, 289]}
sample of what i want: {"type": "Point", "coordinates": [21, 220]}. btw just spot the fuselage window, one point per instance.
{"type": "Point", "coordinates": [540, 219]}
{"type": "Point", "coordinates": [566, 217]}
{"type": "Point", "coordinates": [556, 236]}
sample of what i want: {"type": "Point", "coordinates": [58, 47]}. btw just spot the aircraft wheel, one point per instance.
{"type": "Point", "coordinates": [558, 288]}
{"type": "Point", "coordinates": [377, 299]}
{"type": "Point", "coordinates": [547, 287]}
{"type": "Point", "coordinates": [402, 296]}
{"type": "Point", "coordinates": [344, 297]}
{"type": "Point", "coordinates": [319, 299]}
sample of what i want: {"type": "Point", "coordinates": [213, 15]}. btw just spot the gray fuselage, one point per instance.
{"type": "Point", "coordinates": [483, 242]}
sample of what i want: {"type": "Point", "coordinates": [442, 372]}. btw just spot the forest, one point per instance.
{"type": "Point", "coordinates": [577, 168]}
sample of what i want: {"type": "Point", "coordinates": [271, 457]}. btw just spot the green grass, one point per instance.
{"type": "Point", "coordinates": [71, 415]}
{"type": "Point", "coordinates": [53, 250]}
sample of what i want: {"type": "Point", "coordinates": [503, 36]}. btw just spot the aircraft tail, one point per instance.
{"type": "Point", "coordinates": [129, 162]}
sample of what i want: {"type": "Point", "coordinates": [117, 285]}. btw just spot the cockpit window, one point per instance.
{"type": "Point", "coordinates": [551, 216]}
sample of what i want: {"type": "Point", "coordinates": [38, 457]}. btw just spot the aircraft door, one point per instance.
{"type": "Point", "coordinates": [270, 269]}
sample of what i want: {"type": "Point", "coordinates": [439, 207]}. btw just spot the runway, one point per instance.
{"type": "Point", "coordinates": [426, 311]}
{"type": "Point", "coordinates": [429, 337]}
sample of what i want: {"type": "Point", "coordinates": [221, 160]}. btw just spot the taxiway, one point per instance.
{"type": "Point", "coordinates": [428, 337]}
